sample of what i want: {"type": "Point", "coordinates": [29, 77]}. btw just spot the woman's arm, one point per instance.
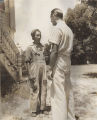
{"type": "Point", "coordinates": [28, 55]}
{"type": "Point", "coordinates": [28, 58]}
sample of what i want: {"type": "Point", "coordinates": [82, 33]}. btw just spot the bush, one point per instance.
{"type": "Point", "coordinates": [83, 22]}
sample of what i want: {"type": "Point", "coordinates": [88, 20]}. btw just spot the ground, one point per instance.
{"type": "Point", "coordinates": [85, 91]}
{"type": "Point", "coordinates": [16, 107]}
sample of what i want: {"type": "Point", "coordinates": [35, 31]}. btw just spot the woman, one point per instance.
{"type": "Point", "coordinates": [37, 74]}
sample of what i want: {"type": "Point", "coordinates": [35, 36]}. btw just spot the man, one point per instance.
{"type": "Point", "coordinates": [61, 40]}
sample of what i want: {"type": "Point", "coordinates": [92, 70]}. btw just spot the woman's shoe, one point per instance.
{"type": "Point", "coordinates": [33, 114]}
{"type": "Point", "coordinates": [77, 117]}
{"type": "Point", "coordinates": [46, 112]}
{"type": "Point", "coordinates": [41, 111]}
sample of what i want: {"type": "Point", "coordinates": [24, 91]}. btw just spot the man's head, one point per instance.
{"type": "Point", "coordinates": [36, 35]}
{"type": "Point", "coordinates": [56, 14]}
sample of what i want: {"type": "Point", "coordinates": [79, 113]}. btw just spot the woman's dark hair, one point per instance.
{"type": "Point", "coordinates": [34, 32]}
{"type": "Point", "coordinates": [57, 12]}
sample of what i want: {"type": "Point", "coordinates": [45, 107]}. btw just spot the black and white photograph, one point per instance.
{"type": "Point", "coordinates": [48, 59]}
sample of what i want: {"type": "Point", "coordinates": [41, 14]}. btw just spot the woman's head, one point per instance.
{"type": "Point", "coordinates": [36, 35]}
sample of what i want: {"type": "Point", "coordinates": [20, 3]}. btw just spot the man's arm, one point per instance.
{"type": "Point", "coordinates": [53, 55]}
{"type": "Point", "coordinates": [47, 53]}
{"type": "Point", "coordinates": [54, 40]}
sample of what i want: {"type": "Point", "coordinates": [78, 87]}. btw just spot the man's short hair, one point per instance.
{"type": "Point", "coordinates": [57, 12]}
{"type": "Point", "coordinates": [34, 32]}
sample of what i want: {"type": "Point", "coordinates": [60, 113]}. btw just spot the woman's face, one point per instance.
{"type": "Point", "coordinates": [37, 37]}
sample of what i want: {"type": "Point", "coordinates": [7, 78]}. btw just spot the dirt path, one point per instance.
{"type": "Point", "coordinates": [16, 106]}
{"type": "Point", "coordinates": [85, 94]}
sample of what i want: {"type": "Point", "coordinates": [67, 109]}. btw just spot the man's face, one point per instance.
{"type": "Point", "coordinates": [53, 19]}
{"type": "Point", "coordinates": [37, 36]}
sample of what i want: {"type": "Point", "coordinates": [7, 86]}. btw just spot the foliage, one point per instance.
{"type": "Point", "coordinates": [83, 22]}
